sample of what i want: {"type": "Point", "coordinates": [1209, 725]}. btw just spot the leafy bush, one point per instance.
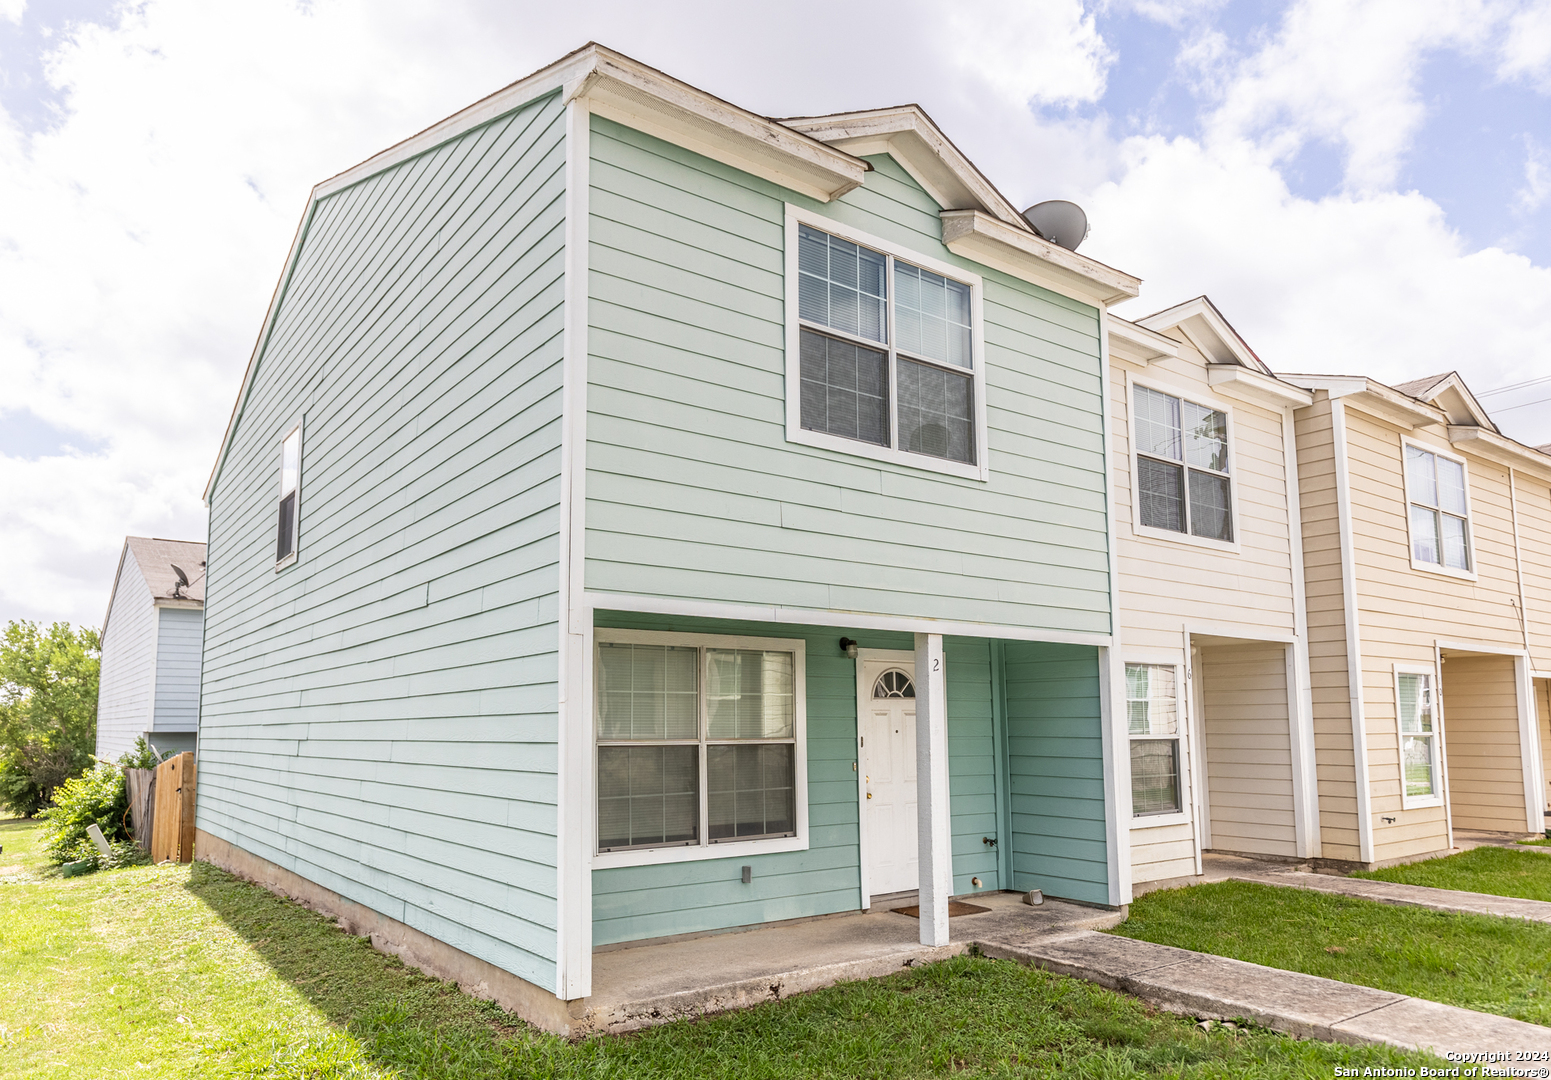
{"type": "Point", "coordinates": [98, 795]}
{"type": "Point", "coordinates": [48, 710]}
{"type": "Point", "coordinates": [142, 756]}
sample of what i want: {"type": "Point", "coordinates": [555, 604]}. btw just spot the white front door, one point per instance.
{"type": "Point", "coordinates": [888, 767]}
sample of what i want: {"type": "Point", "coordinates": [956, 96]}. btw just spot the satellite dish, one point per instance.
{"type": "Point", "coordinates": [1062, 223]}
{"type": "Point", "coordinates": [182, 584]}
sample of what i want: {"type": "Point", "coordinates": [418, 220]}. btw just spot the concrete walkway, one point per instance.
{"type": "Point", "coordinates": [643, 985]}
{"type": "Point", "coordinates": [1196, 984]}
{"type": "Point", "coordinates": [1422, 896]}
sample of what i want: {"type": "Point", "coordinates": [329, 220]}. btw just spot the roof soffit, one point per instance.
{"type": "Point", "coordinates": [910, 136]}
{"type": "Point", "coordinates": [1199, 322]}
{"type": "Point", "coordinates": [1020, 253]}
{"type": "Point", "coordinates": [1128, 341]}
{"type": "Point", "coordinates": [1457, 402]}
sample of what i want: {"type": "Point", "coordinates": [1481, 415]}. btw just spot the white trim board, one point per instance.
{"type": "Point", "coordinates": [906, 659]}
{"type": "Point", "coordinates": [840, 620]}
{"type": "Point", "coordinates": [1354, 667]}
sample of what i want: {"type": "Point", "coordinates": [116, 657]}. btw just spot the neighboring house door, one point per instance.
{"type": "Point", "coordinates": [888, 767]}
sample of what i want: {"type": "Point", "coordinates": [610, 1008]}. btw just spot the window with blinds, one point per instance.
{"type": "Point", "coordinates": [887, 350]}
{"type": "Point", "coordinates": [1418, 735]}
{"type": "Point", "coordinates": [697, 745]}
{"type": "Point", "coordinates": [1182, 482]}
{"type": "Point", "coordinates": [1438, 511]}
{"type": "Point", "coordinates": [1152, 716]}
{"type": "Point", "coordinates": [286, 523]}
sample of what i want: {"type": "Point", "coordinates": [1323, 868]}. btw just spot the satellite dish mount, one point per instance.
{"type": "Point", "coordinates": [1062, 223]}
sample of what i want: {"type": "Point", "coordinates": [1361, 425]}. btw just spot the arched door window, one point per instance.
{"type": "Point", "coordinates": [894, 684]}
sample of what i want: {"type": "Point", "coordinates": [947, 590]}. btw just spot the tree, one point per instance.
{"type": "Point", "coordinates": [48, 710]}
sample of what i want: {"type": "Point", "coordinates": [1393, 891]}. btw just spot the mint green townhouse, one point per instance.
{"type": "Point", "coordinates": [640, 518]}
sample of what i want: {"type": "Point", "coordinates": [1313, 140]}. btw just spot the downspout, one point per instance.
{"type": "Point", "coordinates": [1354, 669]}
{"type": "Point", "coordinates": [1003, 777]}
{"type": "Point", "coordinates": [1114, 737]}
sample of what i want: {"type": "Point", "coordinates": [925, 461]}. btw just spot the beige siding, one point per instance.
{"type": "Point", "coordinates": [1323, 588]}
{"type": "Point", "coordinates": [1405, 612]}
{"type": "Point", "coordinates": [1543, 709]}
{"type": "Point", "coordinates": [1249, 777]}
{"type": "Point", "coordinates": [1534, 501]}
{"type": "Point", "coordinates": [1481, 732]}
{"type": "Point", "coordinates": [1171, 587]}
{"type": "Point", "coordinates": [1162, 852]}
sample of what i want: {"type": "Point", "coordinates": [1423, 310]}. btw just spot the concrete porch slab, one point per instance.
{"type": "Point", "coordinates": [654, 984]}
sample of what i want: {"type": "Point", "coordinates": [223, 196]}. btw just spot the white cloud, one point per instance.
{"type": "Point", "coordinates": [1537, 177]}
{"type": "Point", "coordinates": [11, 10]}
{"type": "Point", "coordinates": [1526, 49]}
{"type": "Point", "coordinates": [1046, 53]}
{"type": "Point", "coordinates": [1169, 12]}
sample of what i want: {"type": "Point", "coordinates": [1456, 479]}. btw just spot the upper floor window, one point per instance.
{"type": "Point", "coordinates": [290, 489]}
{"type": "Point", "coordinates": [1182, 482]}
{"type": "Point", "coordinates": [1440, 517]}
{"type": "Point", "coordinates": [887, 356]}
{"type": "Point", "coordinates": [698, 743]}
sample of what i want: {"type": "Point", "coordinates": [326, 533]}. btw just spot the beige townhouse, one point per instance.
{"type": "Point", "coordinates": [1427, 565]}
{"type": "Point", "coordinates": [1212, 623]}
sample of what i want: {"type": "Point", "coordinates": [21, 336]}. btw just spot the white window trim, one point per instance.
{"type": "Point", "coordinates": [795, 432]}
{"type": "Point", "coordinates": [294, 427]}
{"type": "Point", "coordinates": [728, 849]}
{"type": "Point", "coordinates": [1182, 815]}
{"type": "Point", "coordinates": [1405, 498]}
{"type": "Point", "coordinates": [1148, 532]}
{"type": "Point", "coordinates": [1418, 802]}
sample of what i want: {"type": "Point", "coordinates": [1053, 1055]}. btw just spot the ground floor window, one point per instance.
{"type": "Point", "coordinates": [1152, 713]}
{"type": "Point", "coordinates": [1418, 734]}
{"type": "Point", "coordinates": [698, 740]}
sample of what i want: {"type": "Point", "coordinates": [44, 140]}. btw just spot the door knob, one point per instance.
{"type": "Point", "coordinates": [869, 794]}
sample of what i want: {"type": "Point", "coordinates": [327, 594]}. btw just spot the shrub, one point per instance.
{"type": "Point", "coordinates": [98, 795]}
{"type": "Point", "coordinates": [141, 757]}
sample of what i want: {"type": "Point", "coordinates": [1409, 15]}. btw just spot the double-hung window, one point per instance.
{"type": "Point", "coordinates": [286, 524]}
{"type": "Point", "coordinates": [1182, 482]}
{"type": "Point", "coordinates": [699, 743]}
{"type": "Point", "coordinates": [1418, 735]}
{"type": "Point", "coordinates": [1152, 714]}
{"type": "Point", "coordinates": [1438, 510]}
{"type": "Point", "coordinates": [887, 355]}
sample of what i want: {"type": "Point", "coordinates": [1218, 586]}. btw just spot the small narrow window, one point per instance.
{"type": "Point", "coordinates": [1418, 750]}
{"type": "Point", "coordinates": [1440, 531]}
{"type": "Point", "coordinates": [290, 475]}
{"type": "Point", "coordinates": [1152, 713]}
{"type": "Point", "coordinates": [1182, 478]}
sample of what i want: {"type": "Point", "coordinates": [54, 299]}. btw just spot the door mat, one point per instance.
{"type": "Point", "coordinates": [955, 909]}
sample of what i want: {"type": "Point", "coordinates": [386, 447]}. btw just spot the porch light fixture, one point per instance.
{"type": "Point", "coordinates": [848, 646]}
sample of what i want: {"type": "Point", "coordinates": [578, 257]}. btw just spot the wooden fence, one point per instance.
{"type": "Point", "coordinates": [172, 810]}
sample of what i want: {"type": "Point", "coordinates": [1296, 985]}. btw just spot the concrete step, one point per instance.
{"type": "Point", "coordinates": [1215, 987]}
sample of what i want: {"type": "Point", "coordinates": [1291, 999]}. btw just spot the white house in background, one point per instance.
{"type": "Point", "coordinates": [152, 638]}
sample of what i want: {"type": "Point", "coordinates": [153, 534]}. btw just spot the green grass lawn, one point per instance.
{"type": "Point", "coordinates": [1544, 841]}
{"type": "Point", "coordinates": [1476, 961]}
{"type": "Point", "coordinates": [1493, 870]}
{"type": "Point", "coordinates": [186, 972]}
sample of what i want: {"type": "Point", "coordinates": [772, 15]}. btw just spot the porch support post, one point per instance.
{"type": "Point", "coordinates": [932, 826]}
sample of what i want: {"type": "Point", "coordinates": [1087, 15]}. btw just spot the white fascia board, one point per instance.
{"type": "Point", "coordinates": [1228, 339]}
{"type": "Point", "coordinates": [1500, 448]}
{"type": "Point", "coordinates": [620, 89]}
{"type": "Point", "coordinates": [1374, 398]}
{"type": "Point", "coordinates": [1139, 345]}
{"type": "Point", "coordinates": [1255, 388]}
{"type": "Point", "coordinates": [113, 595]}
{"type": "Point", "coordinates": [909, 136]}
{"type": "Point", "coordinates": [191, 605]}
{"type": "Point", "coordinates": [976, 235]}
{"type": "Point", "coordinates": [1472, 407]}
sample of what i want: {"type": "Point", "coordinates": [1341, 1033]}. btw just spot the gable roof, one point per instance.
{"type": "Point", "coordinates": [814, 156]}
{"type": "Point", "coordinates": [1200, 323]}
{"type": "Point", "coordinates": [153, 560]}
{"type": "Point", "coordinates": [1449, 393]}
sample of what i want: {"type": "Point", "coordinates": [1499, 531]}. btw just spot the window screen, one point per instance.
{"type": "Point", "coordinates": [1435, 488]}
{"type": "Point", "coordinates": [845, 389]}
{"type": "Point", "coordinates": [935, 412]}
{"type": "Point", "coordinates": [1182, 482]}
{"type": "Point", "coordinates": [1152, 718]}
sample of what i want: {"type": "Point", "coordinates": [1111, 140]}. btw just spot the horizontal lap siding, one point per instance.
{"type": "Point", "coordinates": [380, 717]}
{"type": "Point", "coordinates": [1249, 777]}
{"type": "Point", "coordinates": [1405, 611]}
{"type": "Point", "coordinates": [1533, 496]}
{"type": "Point", "coordinates": [125, 689]}
{"type": "Point", "coordinates": [1162, 852]}
{"type": "Point", "coordinates": [1166, 583]}
{"type": "Point", "coordinates": [1543, 717]}
{"type": "Point", "coordinates": [693, 490]}
{"type": "Point", "coordinates": [1336, 770]}
{"type": "Point", "coordinates": [1481, 733]}
{"type": "Point", "coordinates": [632, 903]}
{"type": "Point", "coordinates": [1056, 770]}
{"type": "Point", "coordinates": [178, 645]}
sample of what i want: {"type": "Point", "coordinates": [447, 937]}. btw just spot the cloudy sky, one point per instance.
{"type": "Point", "coordinates": [1360, 185]}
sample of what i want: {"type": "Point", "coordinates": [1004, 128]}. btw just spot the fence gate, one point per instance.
{"type": "Point", "coordinates": [172, 817]}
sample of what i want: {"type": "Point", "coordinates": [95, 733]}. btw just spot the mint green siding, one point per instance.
{"type": "Point", "coordinates": [630, 903]}
{"type": "Point", "coordinates": [693, 490]}
{"type": "Point", "coordinates": [380, 716]}
{"type": "Point", "coordinates": [1056, 765]}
